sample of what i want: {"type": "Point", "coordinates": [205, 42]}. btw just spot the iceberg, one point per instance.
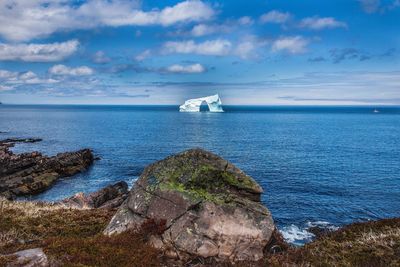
{"type": "Point", "coordinates": [193, 105]}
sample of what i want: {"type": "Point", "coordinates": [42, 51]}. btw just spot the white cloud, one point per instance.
{"type": "Point", "coordinates": [203, 29]}
{"type": "Point", "coordinates": [38, 52]}
{"type": "Point", "coordinates": [194, 68]}
{"type": "Point", "coordinates": [207, 29]}
{"type": "Point", "coordinates": [5, 74]}
{"type": "Point", "coordinates": [64, 70]}
{"type": "Point", "coordinates": [316, 23]}
{"type": "Point", "coordinates": [26, 20]}
{"type": "Point", "coordinates": [275, 16]}
{"type": "Point", "coordinates": [30, 77]}
{"type": "Point", "coordinates": [216, 47]}
{"type": "Point", "coordinates": [249, 46]}
{"type": "Point", "coordinates": [10, 79]}
{"type": "Point", "coordinates": [142, 56]}
{"type": "Point", "coordinates": [6, 88]}
{"type": "Point", "coordinates": [370, 6]}
{"type": "Point", "coordinates": [101, 58]}
{"type": "Point", "coordinates": [291, 45]}
{"type": "Point", "coordinates": [378, 6]}
{"type": "Point", "coordinates": [120, 13]}
{"type": "Point", "coordinates": [246, 20]}
{"type": "Point", "coordinates": [185, 11]}
{"type": "Point", "coordinates": [246, 49]}
{"type": "Point", "coordinates": [227, 26]}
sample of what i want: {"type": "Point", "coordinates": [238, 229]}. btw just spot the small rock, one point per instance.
{"type": "Point", "coordinates": [28, 258]}
{"type": "Point", "coordinates": [109, 197]}
{"type": "Point", "coordinates": [20, 140]}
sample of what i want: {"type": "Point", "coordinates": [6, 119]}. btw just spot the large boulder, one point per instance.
{"type": "Point", "coordinates": [208, 208]}
{"type": "Point", "coordinates": [32, 173]}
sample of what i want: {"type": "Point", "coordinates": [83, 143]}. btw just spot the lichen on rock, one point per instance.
{"type": "Point", "coordinates": [209, 206]}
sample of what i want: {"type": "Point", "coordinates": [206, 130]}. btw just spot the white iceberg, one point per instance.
{"type": "Point", "coordinates": [193, 105]}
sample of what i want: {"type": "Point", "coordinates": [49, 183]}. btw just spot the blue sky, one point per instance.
{"type": "Point", "coordinates": [269, 52]}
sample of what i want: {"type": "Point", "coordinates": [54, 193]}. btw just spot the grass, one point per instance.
{"type": "Point", "coordinates": [375, 243]}
{"type": "Point", "coordinates": [73, 237]}
{"type": "Point", "coordinates": [128, 249]}
{"type": "Point", "coordinates": [4, 261]}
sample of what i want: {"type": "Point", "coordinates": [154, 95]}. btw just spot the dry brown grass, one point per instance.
{"type": "Point", "coordinates": [375, 243]}
{"type": "Point", "coordinates": [5, 260]}
{"type": "Point", "coordinates": [128, 249]}
{"type": "Point", "coordinates": [73, 237]}
{"type": "Point", "coordinates": [70, 237]}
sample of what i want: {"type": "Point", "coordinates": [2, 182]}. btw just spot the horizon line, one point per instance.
{"type": "Point", "coordinates": [226, 105]}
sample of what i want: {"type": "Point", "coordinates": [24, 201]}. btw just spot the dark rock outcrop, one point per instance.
{"type": "Point", "coordinates": [203, 206]}
{"type": "Point", "coordinates": [109, 197]}
{"type": "Point", "coordinates": [32, 173]}
{"type": "Point", "coordinates": [12, 141]}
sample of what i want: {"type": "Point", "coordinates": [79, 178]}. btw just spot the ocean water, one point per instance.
{"type": "Point", "coordinates": [325, 166]}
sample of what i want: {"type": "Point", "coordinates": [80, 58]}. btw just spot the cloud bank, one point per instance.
{"type": "Point", "coordinates": [26, 20]}
{"type": "Point", "coordinates": [291, 45]}
{"type": "Point", "coordinates": [275, 16]}
{"type": "Point", "coordinates": [218, 47]}
{"type": "Point", "coordinates": [64, 70]}
{"type": "Point", "coordinates": [194, 68]}
{"type": "Point", "coordinates": [38, 52]}
{"type": "Point", "coordinates": [316, 23]}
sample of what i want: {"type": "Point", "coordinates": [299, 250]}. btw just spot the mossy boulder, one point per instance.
{"type": "Point", "coordinates": [207, 206]}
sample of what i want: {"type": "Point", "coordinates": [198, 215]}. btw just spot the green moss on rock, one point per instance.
{"type": "Point", "coordinates": [200, 175]}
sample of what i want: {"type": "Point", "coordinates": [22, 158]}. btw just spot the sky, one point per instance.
{"type": "Point", "coordinates": [250, 52]}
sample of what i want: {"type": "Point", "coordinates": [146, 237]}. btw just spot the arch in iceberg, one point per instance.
{"type": "Point", "coordinates": [193, 105]}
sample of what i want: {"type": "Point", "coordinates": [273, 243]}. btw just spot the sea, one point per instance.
{"type": "Point", "coordinates": [323, 166]}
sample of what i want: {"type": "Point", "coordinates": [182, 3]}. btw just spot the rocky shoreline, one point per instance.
{"type": "Point", "coordinates": [109, 197]}
{"type": "Point", "coordinates": [32, 173]}
{"type": "Point", "coordinates": [190, 209]}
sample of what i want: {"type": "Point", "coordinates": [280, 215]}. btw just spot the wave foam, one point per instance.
{"type": "Point", "coordinates": [300, 235]}
{"type": "Point", "coordinates": [295, 235]}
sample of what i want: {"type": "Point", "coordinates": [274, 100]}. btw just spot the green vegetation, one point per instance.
{"type": "Point", "coordinates": [206, 183]}
{"type": "Point", "coordinates": [195, 193]}
{"type": "Point", "coordinates": [245, 182]}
